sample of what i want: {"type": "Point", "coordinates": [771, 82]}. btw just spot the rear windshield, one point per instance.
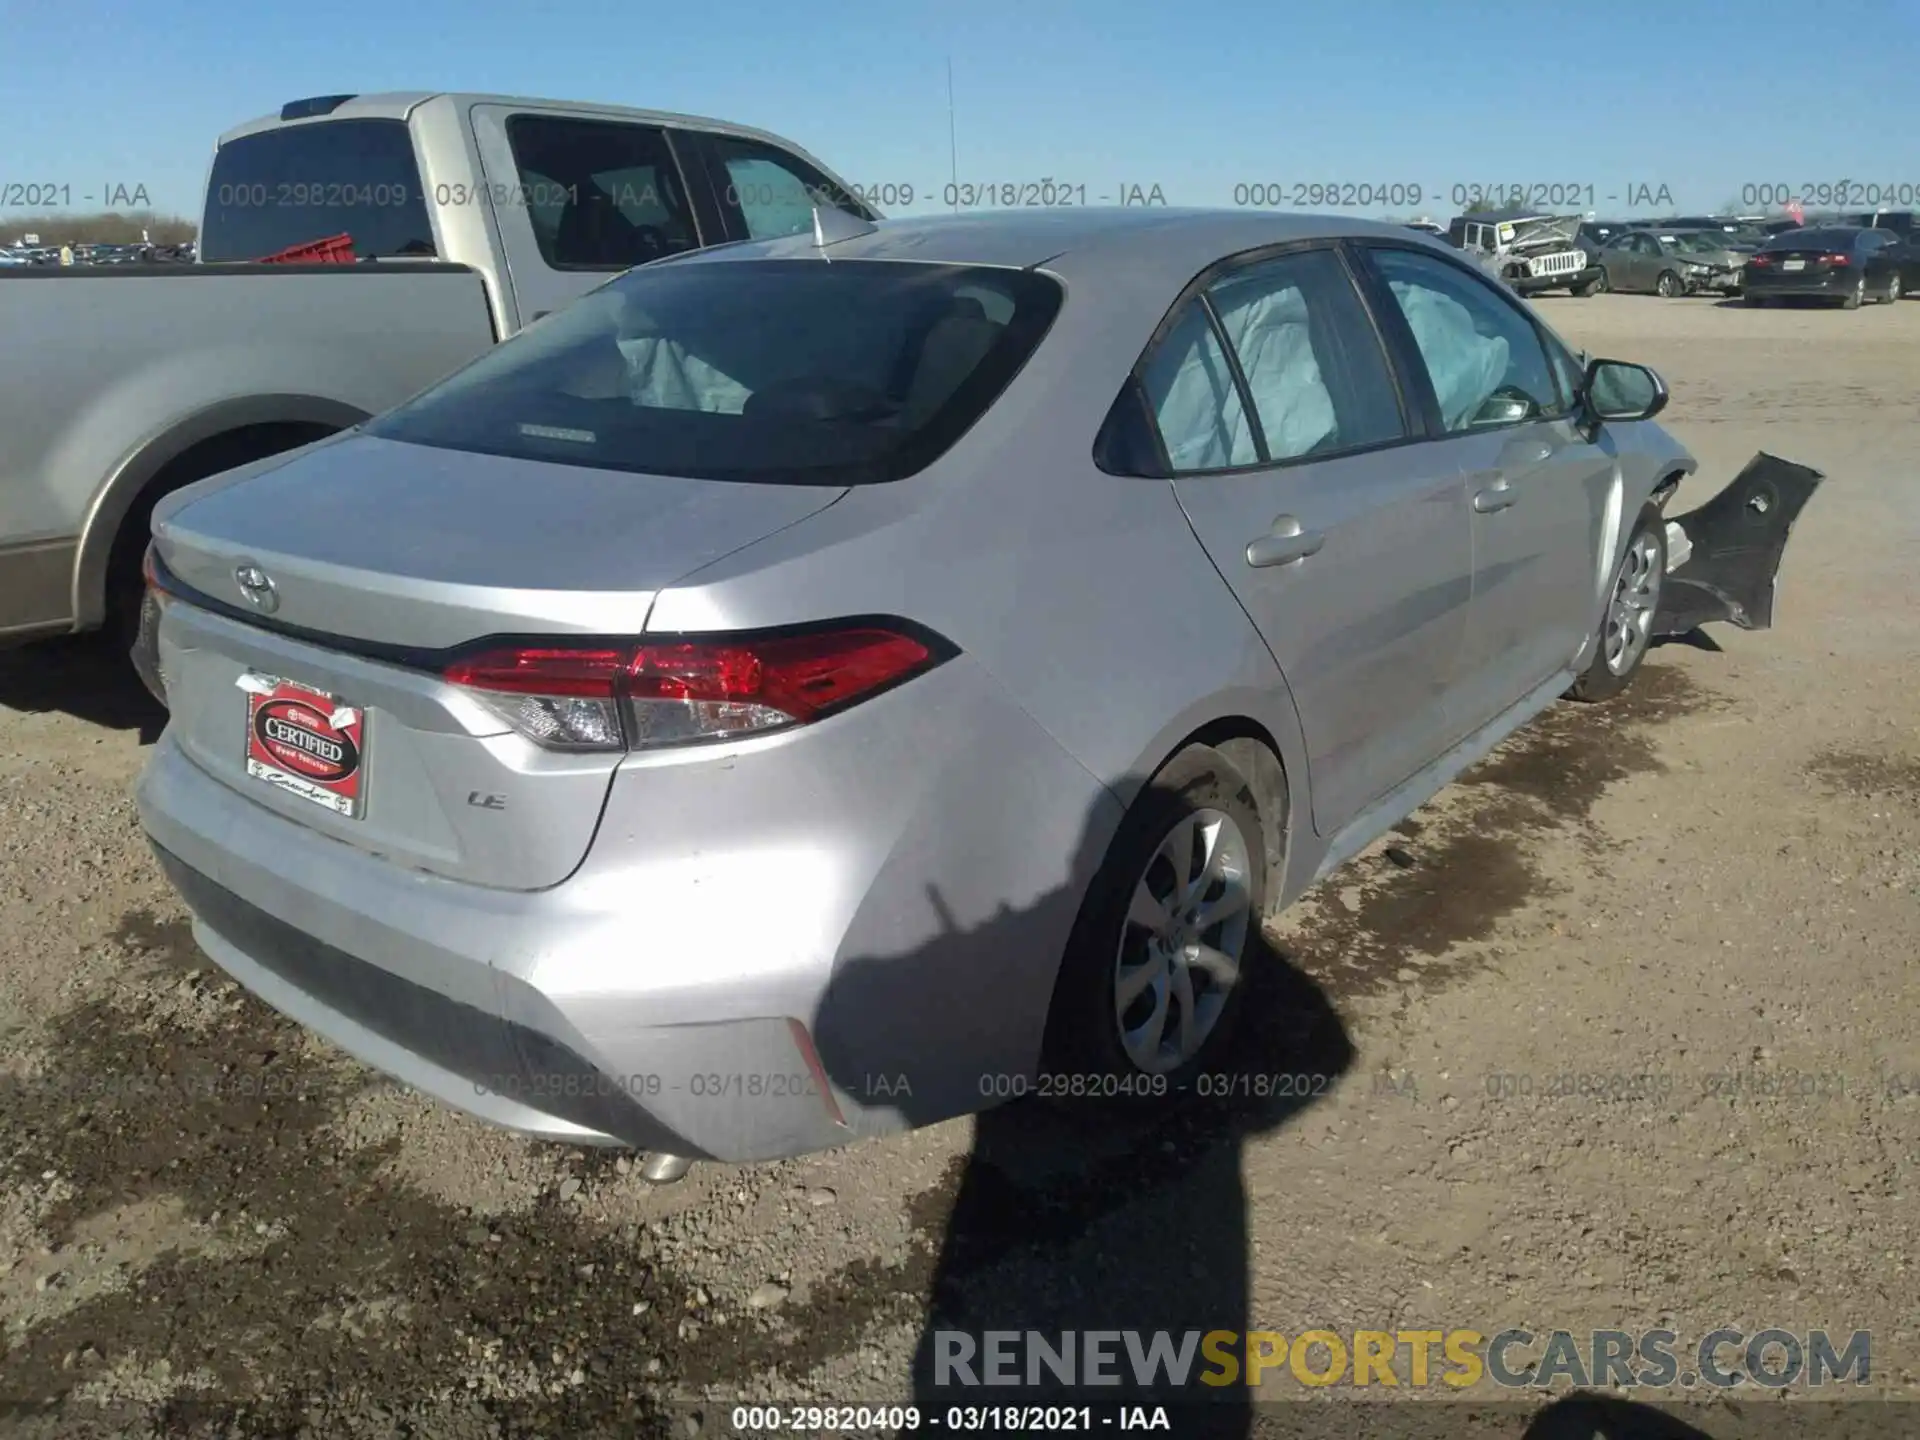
{"type": "Point", "coordinates": [1814, 240]}
{"type": "Point", "coordinates": [786, 371]}
{"type": "Point", "coordinates": [300, 183]}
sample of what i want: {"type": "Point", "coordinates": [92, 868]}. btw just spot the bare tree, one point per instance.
{"type": "Point", "coordinates": [105, 228]}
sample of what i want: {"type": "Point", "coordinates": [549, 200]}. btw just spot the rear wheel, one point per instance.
{"type": "Point", "coordinates": [1668, 285]}
{"type": "Point", "coordinates": [1626, 631]}
{"type": "Point", "coordinates": [1150, 988]}
{"type": "Point", "coordinates": [1858, 294]}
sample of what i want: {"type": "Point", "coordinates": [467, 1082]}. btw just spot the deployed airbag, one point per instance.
{"type": "Point", "coordinates": [1269, 332]}
{"type": "Point", "coordinates": [1466, 366]}
{"type": "Point", "coordinates": [662, 374]}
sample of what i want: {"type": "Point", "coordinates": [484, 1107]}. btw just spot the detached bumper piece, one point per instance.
{"type": "Point", "coordinates": [1734, 543]}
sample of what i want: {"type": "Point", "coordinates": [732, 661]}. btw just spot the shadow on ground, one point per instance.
{"type": "Point", "coordinates": [85, 676]}
{"type": "Point", "coordinates": [1463, 864]}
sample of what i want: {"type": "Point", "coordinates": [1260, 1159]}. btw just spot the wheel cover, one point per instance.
{"type": "Point", "coordinates": [1183, 941]}
{"type": "Point", "coordinates": [1893, 288]}
{"type": "Point", "coordinates": [1666, 286]}
{"type": "Point", "coordinates": [1636, 595]}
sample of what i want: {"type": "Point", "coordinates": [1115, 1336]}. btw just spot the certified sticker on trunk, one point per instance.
{"type": "Point", "coordinates": [305, 742]}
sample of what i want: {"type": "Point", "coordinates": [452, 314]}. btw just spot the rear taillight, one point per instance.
{"type": "Point", "coordinates": [1836, 259]}
{"type": "Point", "coordinates": [680, 692]}
{"type": "Point", "coordinates": [1759, 261]}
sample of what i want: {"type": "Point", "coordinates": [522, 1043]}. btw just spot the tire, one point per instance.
{"type": "Point", "coordinates": [1757, 301]}
{"type": "Point", "coordinates": [1087, 1027]}
{"type": "Point", "coordinates": [1622, 644]}
{"type": "Point", "coordinates": [1601, 284]}
{"type": "Point", "coordinates": [1668, 285]}
{"type": "Point", "coordinates": [1893, 290]}
{"type": "Point", "coordinates": [1852, 302]}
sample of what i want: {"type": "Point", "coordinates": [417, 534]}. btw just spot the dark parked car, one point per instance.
{"type": "Point", "coordinates": [1905, 254]}
{"type": "Point", "coordinates": [1842, 263]}
{"type": "Point", "coordinates": [1898, 221]}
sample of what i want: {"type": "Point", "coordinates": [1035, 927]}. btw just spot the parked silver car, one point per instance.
{"type": "Point", "coordinates": [1015, 609]}
{"type": "Point", "coordinates": [1670, 263]}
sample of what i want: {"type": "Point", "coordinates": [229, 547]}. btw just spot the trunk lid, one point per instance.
{"type": "Point", "coordinates": [417, 546]}
{"type": "Point", "coordinates": [381, 553]}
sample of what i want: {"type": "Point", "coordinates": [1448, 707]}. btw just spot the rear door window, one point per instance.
{"type": "Point", "coordinates": [1195, 402]}
{"type": "Point", "coordinates": [296, 184]}
{"type": "Point", "coordinates": [1313, 365]}
{"type": "Point", "coordinates": [601, 195]}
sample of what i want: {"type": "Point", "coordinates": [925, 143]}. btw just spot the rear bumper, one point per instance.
{"type": "Point", "coordinates": [778, 950]}
{"type": "Point", "coordinates": [1822, 284]}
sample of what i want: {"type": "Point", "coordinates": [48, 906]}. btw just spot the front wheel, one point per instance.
{"type": "Point", "coordinates": [1601, 285]}
{"type": "Point", "coordinates": [1893, 289]}
{"type": "Point", "coordinates": [1668, 285]}
{"type": "Point", "coordinates": [1626, 631]}
{"type": "Point", "coordinates": [1150, 987]}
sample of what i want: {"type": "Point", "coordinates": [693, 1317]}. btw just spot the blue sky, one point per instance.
{"type": "Point", "coordinates": [1704, 98]}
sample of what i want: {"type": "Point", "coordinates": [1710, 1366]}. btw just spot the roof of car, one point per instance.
{"type": "Point", "coordinates": [1077, 240]}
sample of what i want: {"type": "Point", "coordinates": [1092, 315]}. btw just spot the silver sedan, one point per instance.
{"type": "Point", "coordinates": [820, 685]}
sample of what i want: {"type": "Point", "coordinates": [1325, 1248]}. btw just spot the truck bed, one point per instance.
{"type": "Point", "coordinates": [97, 362]}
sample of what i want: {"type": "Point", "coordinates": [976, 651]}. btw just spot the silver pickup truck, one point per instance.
{"type": "Point", "coordinates": [464, 217]}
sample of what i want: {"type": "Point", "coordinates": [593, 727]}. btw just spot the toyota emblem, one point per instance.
{"type": "Point", "coordinates": [257, 586]}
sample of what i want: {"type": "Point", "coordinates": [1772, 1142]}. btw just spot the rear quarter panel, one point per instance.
{"type": "Point", "coordinates": [1085, 595]}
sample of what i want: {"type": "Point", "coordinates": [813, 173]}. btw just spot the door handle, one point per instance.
{"type": "Point", "coordinates": [1285, 543]}
{"type": "Point", "coordinates": [1497, 496]}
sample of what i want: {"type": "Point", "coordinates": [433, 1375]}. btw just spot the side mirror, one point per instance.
{"type": "Point", "coordinates": [1621, 390]}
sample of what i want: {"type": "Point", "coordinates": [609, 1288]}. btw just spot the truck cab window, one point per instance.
{"type": "Point", "coordinates": [773, 193]}
{"type": "Point", "coordinates": [601, 195]}
{"type": "Point", "coordinates": [295, 184]}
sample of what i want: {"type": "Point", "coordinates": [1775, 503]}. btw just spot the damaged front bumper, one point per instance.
{"type": "Point", "coordinates": [1723, 559]}
{"type": "Point", "coordinates": [1715, 280]}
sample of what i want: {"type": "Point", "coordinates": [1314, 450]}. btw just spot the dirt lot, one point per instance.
{"type": "Point", "coordinates": [208, 1219]}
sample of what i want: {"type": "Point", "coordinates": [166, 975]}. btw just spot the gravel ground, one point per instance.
{"type": "Point", "coordinates": [210, 1223]}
